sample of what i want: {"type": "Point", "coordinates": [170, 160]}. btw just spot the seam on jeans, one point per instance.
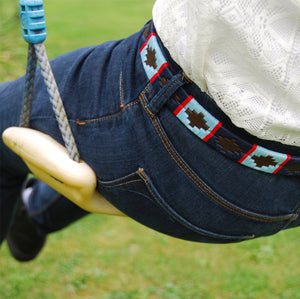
{"type": "Point", "coordinates": [196, 181]}
{"type": "Point", "coordinates": [122, 184]}
{"type": "Point", "coordinates": [85, 122]}
{"type": "Point", "coordinates": [296, 216]}
{"type": "Point", "coordinates": [184, 75]}
{"type": "Point", "coordinates": [131, 178]}
{"type": "Point", "coordinates": [121, 91]}
{"type": "Point", "coordinates": [145, 180]}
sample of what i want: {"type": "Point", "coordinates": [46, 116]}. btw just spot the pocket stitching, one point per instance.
{"type": "Point", "coordinates": [121, 184]}
{"type": "Point", "coordinates": [189, 173]}
{"type": "Point", "coordinates": [169, 210]}
{"type": "Point", "coordinates": [187, 223]}
{"type": "Point", "coordinates": [104, 118]}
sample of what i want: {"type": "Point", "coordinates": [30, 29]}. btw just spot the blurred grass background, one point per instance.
{"type": "Point", "coordinates": [115, 258]}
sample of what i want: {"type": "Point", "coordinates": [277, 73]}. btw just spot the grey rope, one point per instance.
{"type": "Point", "coordinates": [28, 88]}
{"type": "Point", "coordinates": [41, 56]}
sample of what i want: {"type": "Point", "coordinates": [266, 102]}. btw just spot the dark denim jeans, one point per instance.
{"type": "Point", "coordinates": [149, 165]}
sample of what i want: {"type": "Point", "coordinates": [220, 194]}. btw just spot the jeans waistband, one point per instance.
{"type": "Point", "coordinates": [168, 89]}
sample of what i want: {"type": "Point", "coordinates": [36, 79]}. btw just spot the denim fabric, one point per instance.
{"type": "Point", "coordinates": [148, 164]}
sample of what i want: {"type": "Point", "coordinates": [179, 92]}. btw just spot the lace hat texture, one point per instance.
{"type": "Point", "coordinates": [245, 54]}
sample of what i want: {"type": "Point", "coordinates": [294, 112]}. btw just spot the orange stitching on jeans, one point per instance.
{"type": "Point", "coordinates": [194, 179]}
{"type": "Point", "coordinates": [122, 184]}
{"type": "Point", "coordinates": [186, 77]}
{"type": "Point", "coordinates": [119, 183]}
{"type": "Point", "coordinates": [145, 180]}
{"type": "Point", "coordinates": [82, 123]}
{"type": "Point", "coordinates": [121, 91]}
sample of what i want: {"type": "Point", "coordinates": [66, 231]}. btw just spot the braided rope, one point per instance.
{"type": "Point", "coordinates": [56, 101]}
{"type": "Point", "coordinates": [28, 88]}
{"type": "Point", "coordinates": [37, 52]}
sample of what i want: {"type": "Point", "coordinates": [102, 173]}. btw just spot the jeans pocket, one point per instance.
{"type": "Point", "coordinates": [136, 195]}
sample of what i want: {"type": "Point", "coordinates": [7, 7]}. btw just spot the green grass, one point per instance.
{"type": "Point", "coordinates": [115, 258]}
{"type": "Point", "coordinates": [12, 48]}
{"type": "Point", "coordinates": [71, 24]}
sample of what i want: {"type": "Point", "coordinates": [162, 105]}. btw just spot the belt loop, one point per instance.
{"type": "Point", "coordinates": [166, 92]}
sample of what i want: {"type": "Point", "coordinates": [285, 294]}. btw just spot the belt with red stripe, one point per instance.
{"type": "Point", "coordinates": [207, 127]}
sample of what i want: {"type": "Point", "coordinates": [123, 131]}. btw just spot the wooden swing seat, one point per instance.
{"type": "Point", "coordinates": [49, 161]}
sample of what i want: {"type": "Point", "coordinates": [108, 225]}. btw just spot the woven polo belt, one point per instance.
{"type": "Point", "coordinates": [204, 125]}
